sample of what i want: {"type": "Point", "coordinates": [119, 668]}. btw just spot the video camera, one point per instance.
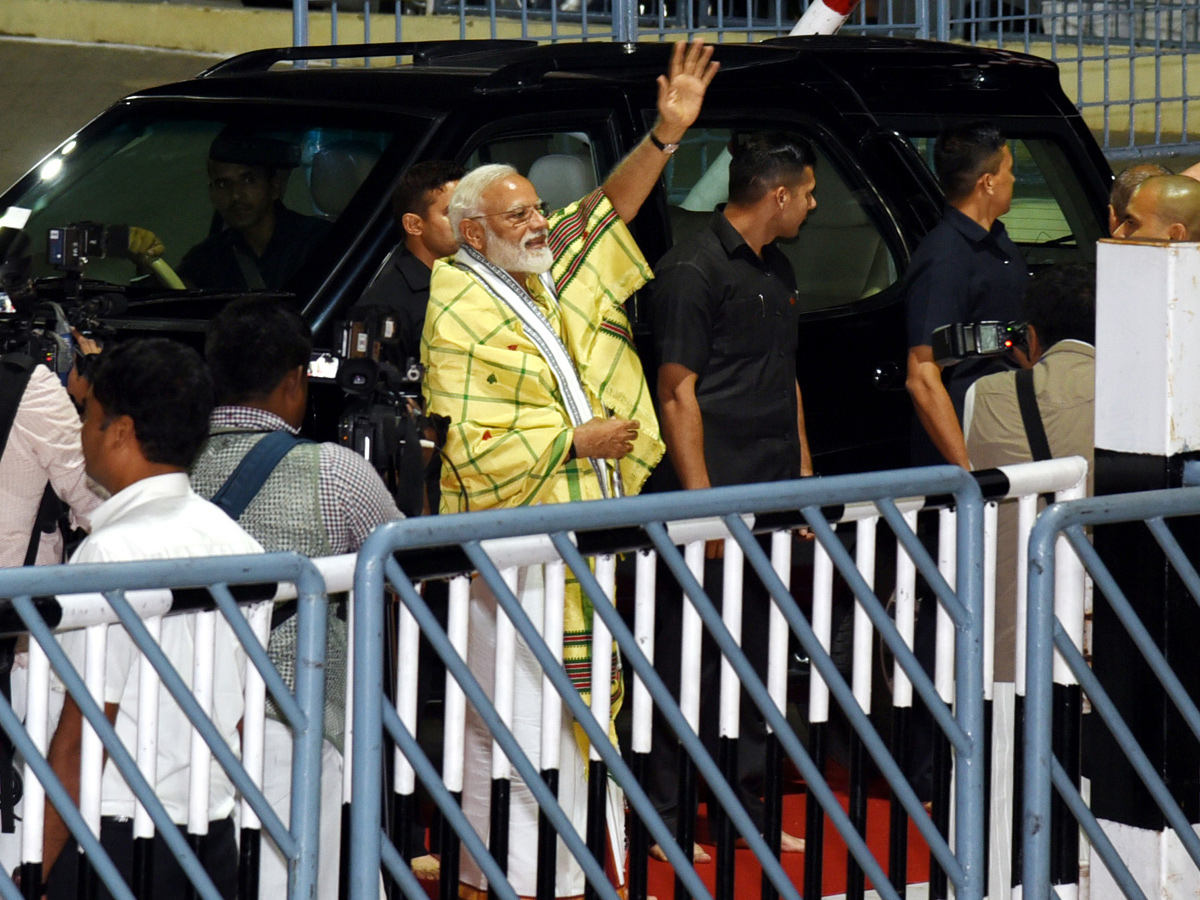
{"type": "Point", "coordinates": [384, 421]}
{"type": "Point", "coordinates": [42, 329]}
{"type": "Point", "coordinates": [956, 342]}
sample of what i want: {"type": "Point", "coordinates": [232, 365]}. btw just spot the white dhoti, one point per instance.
{"type": "Point", "coordinates": [526, 727]}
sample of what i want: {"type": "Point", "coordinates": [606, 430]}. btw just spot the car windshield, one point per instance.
{"type": "Point", "coordinates": [251, 202]}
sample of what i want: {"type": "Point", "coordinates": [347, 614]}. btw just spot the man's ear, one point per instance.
{"type": "Point", "coordinates": [412, 224]}
{"type": "Point", "coordinates": [1177, 231]}
{"type": "Point", "coordinates": [1113, 221]}
{"type": "Point", "coordinates": [119, 433]}
{"type": "Point", "coordinates": [473, 234]}
{"type": "Point", "coordinates": [1035, 345]}
{"type": "Point", "coordinates": [296, 380]}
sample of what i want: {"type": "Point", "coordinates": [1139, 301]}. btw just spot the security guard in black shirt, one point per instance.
{"type": "Point", "coordinates": [726, 321]}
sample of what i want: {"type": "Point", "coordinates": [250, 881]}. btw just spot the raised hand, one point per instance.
{"type": "Point", "coordinates": [681, 91]}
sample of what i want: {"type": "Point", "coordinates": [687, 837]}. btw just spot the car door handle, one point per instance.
{"type": "Point", "coordinates": [888, 377]}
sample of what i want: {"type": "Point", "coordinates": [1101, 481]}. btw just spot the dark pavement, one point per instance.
{"type": "Point", "coordinates": [48, 90]}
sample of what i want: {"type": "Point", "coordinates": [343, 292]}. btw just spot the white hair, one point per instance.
{"type": "Point", "coordinates": [467, 200]}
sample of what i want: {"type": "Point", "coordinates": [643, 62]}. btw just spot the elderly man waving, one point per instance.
{"type": "Point", "coordinates": [529, 353]}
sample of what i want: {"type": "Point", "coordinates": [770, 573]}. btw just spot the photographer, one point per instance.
{"type": "Point", "coordinates": [42, 458]}
{"type": "Point", "coordinates": [1060, 307]}
{"type": "Point", "coordinates": [317, 499]}
{"type": "Point", "coordinates": [41, 469]}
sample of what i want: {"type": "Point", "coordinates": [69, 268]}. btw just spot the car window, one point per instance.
{"type": "Point", "coordinates": [561, 164]}
{"type": "Point", "coordinates": [840, 256]}
{"type": "Point", "coordinates": [1051, 219]}
{"type": "Point", "coordinates": [154, 173]}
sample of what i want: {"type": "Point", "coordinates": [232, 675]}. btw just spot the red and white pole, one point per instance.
{"type": "Point", "coordinates": [824, 17]}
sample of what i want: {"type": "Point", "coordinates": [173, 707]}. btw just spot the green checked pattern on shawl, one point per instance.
{"type": "Point", "coordinates": [509, 433]}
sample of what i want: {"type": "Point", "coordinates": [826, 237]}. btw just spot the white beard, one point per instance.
{"type": "Point", "coordinates": [519, 258]}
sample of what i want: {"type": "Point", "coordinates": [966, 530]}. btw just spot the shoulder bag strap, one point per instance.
{"type": "Point", "coordinates": [1031, 416]}
{"type": "Point", "coordinates": [245, 481]}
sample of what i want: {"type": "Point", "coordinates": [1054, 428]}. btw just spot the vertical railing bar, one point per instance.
{"type": "Point", "coordinates": [147, 757]}
{"type": "Point", "coordinates": [36, 726]}
{"type": "Point", "coordinates": [200, 759]}
{"type": "Point", "coordinates": [1099, 838]}
{"type": "Point", "coordinates": [729, 711]}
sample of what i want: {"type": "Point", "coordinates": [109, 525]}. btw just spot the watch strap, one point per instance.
{"type": "Point", "coordinates": [665, 148]}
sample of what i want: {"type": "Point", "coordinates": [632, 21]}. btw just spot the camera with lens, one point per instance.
{"type": "Point", "coordinates": [958, 341]}
{"type": "Point", "coordinates": [41, 328]}
{"type": "Point", "coordinates": [384, 421]}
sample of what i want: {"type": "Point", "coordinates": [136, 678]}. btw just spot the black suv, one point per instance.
{"type": "Point", "coordinates": [565, 114]}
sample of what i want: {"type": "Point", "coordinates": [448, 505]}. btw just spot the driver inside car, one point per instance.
{"type": "Point", "coordinates": [255, 243]}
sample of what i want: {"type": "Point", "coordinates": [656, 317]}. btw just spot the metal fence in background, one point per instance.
{"type": "Point", "coordinates": [1123, 62]}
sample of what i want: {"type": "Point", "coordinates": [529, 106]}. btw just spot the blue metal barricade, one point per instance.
{"type": "Point", "coordinates": [499, 544]}
{"type": "Point", "coordinates": [45, 599]}
{"type": "Point", "coordinates": [1059, 553]}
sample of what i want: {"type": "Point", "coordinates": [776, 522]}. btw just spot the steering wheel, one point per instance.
{"type": "Point", "coordinates": [166, 275]}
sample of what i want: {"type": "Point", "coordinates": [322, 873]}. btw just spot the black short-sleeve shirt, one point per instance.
{"type": "Point", "coordinates": [213, 265]}
{"type": "Point", "coordinates": [962, 273]}
{"type": "Point", "coordinates": [731, 317]}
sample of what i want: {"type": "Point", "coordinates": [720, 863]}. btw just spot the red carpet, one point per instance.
{"type": "Point", "coordinates": [661, 881]}
{"type": "Point", "coordinates": [749, 873]}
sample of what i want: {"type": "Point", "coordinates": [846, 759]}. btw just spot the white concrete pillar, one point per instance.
{"type": "Point", "coordinates": [1147, 425]}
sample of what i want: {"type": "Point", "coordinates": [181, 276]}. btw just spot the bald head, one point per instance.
{"type": "Point", "coordinates": [1164, 208]}
{"type": "Point", "coordinates": [1124, 185]}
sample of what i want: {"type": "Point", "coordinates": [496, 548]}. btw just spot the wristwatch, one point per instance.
{"type": "Point", "coordinates": [665, 148]}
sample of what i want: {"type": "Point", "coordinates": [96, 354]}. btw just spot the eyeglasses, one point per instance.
{"type": "Point", "coordinates": [519, 215]}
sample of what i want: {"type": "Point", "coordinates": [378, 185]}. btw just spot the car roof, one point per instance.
{"type": "Point", "coordinates": [451, 72]}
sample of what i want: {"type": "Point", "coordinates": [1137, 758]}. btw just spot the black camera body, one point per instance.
{"type": "Point", "coordinates": [958, 341]}
{"type": "Point", "coordinates": [384, 421]}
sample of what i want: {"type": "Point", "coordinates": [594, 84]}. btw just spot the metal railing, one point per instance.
{"type": "Point", "coordinates": [1059, 554]}
{"type": "Point", "coordinates": [1124, 62]}
{"type": "Point", "coordinates": [138, 596]}
{"type": "Point", "coordinates": [957, 690]}
{"type": "Point", "coordinates": [497, 547]}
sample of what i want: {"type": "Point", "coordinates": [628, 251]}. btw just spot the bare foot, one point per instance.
{"type": "Point", "coordinates": [699, 854]}
{"type": "Point", "coordinates": [427, 867]}
{"type": "Point", "coordinates": [787, 843]}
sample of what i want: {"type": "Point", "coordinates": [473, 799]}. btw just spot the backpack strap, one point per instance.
{"type": "Point", "coordinates": [1031, 416]}
{"type": "Point", "coordinates": [245, 481]}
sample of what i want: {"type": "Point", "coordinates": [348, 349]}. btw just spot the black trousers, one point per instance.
{"type": "Point", "coordinates": [218, 855]}
{"type": "Point", "coordinates": [663, 779]}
